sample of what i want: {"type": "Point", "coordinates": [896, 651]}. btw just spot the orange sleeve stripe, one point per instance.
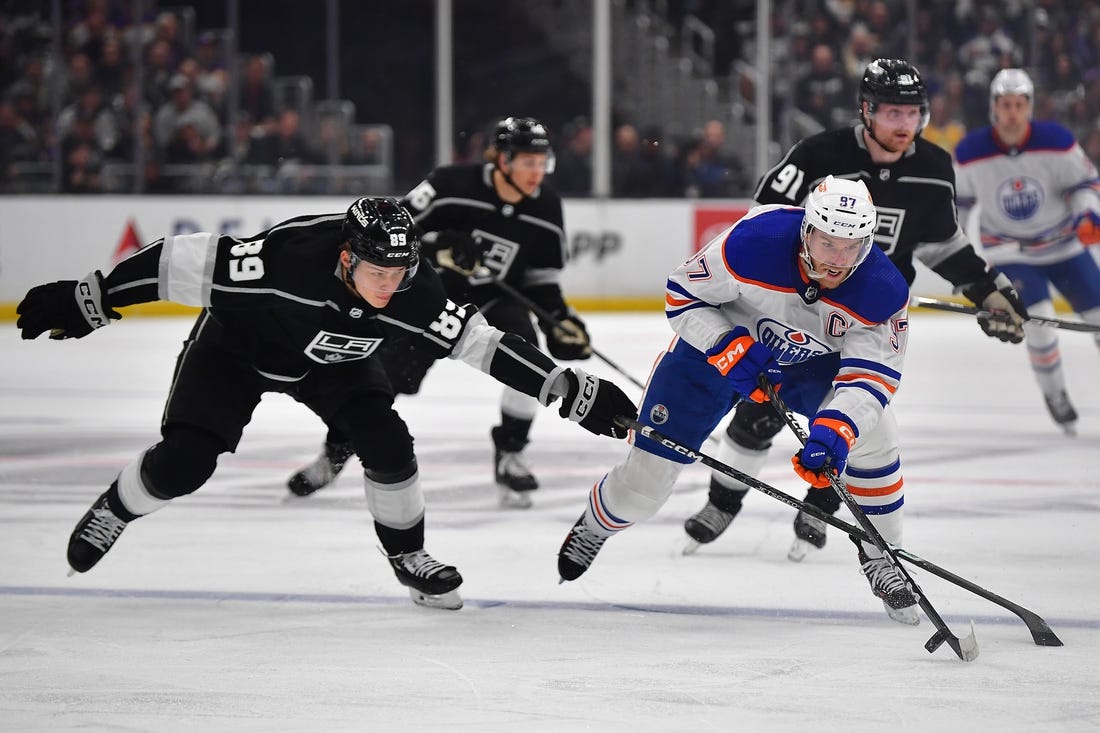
{"type": "Point", "coordinates": [870, 377]}
{"type": "Point", "coordinates": [676, 302]}
{"type": "Point", "coordinates": [884, 491]}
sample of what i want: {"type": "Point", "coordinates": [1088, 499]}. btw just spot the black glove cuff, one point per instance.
{"type": "Point", "coordinates": [979, 290]}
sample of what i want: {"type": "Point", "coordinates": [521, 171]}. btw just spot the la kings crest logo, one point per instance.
{"type": "Point", "coordinates": [497, 260]}
{"type": "Point", "coordinates": [331, 348]}
{"type": "Point", "coordinates": [888, 231]}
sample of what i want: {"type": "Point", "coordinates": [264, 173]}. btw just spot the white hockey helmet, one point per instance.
{"type": "Point", "coordinates": [840, 208]}
{"type": "Point", "coordinates": [1009, 81]}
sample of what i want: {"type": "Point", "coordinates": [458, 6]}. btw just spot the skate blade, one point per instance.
{"type": "Point", "coordinates": [510, 499]}
{"type": "Point", "coordinates": [691, 547]}
{"type": "Point", "coordinates": [449, 601]}
{"type": "Point", "coordinates": [71, 573]}
{"type": "Point", "coordinates": [907, 615]}
{"type": "Point", "coordinates": [799, 549]}
{"type": "Point", "coordinates": [1070, 429]}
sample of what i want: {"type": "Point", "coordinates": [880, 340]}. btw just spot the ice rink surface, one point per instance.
{"type": "Point", "coordinates": [238, 609]}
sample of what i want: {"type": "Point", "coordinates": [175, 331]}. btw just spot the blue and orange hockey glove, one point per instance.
{"type": "Point", "coordinates": [742, 360]}
{"type": "Point", "coordinates": [831, 438]}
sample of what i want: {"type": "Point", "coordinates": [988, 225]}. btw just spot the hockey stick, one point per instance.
{"type": "Point", "coordinates": [556, 323]}
{"type": "Point", "coordinates": [1040, 630]}
{"type": "Point", "coordinates": [951, 307]}
{"type": "Point", "coordinates": [967, 647]}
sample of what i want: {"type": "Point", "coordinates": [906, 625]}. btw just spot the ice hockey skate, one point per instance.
{"type": "Point", "coordinates": [322, 471]}
{"type": "Point", "coordinates": [705, 526]}
{"type": "Point", "coordinates": [579, 550]}
{"type": "Point", "coordinates": [1061, 410]}
{"type": "Point", "coordinates": [888, 584]}
{"type": "Point", "coordinates": [94, 535]}
{"type": "Point", "coordinates": [514, 480]}
{"type": "Point", "coordinates": [430, 582]}
{"type": "Point", "coordinates": [809, 534]}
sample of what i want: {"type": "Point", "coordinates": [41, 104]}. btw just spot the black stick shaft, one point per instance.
{"type": "Point", "coordinates": [546, 316]}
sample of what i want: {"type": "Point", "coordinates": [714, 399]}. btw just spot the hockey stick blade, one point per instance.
{"type": "Point", "coordinates": [1040, 630]}
{"type": "Point", "coordinates": [950, 307]}
{"type": "Point", "coordinates": [966, 647]}
{"type": "Point", "coordinates": [942, 631]}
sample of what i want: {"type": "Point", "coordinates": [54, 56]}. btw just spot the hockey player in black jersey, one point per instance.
{"type": "Point", "coordinates": [487, 222]}
{"type": "Point", "coordinates": [301, 309]}
{"type": "Point", "coordinates": [912, 184]}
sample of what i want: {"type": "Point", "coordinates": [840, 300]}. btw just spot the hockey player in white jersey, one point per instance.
{"type": "Point", "coordinates": [1038, 195]}
{"type": "Point", "coordinates": [803, 297]}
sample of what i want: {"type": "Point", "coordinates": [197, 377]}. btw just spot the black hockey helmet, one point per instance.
{"type": "Point", "coordinates": [379, 230]}
{"type": "Point", "coordinates": [893, 81]}
{"type": "Point", "coordinates": [523, 135]}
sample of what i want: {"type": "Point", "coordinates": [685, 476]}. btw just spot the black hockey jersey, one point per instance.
{"type": "Point", "coordinates": [915, 198]}
{"type": "Point", "coordinates": [526, 239]}
{"type": "Point", "coordinates": [279, 303]}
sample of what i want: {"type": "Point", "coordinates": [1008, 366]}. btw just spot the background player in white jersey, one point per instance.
{"type": "Point", "coordinates": [912, 184]}
{"type": "Point", "coordinates": [483, 223]}
{"type": "Point", "coordinates": [804, 298]}
{"type": "Point", "coordinates": [301, 309]}
{"type": "Point", "coordinates": [1038, 193]}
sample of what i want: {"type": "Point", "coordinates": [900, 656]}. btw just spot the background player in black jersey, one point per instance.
{"type": "Point", "coordinates": [912, 184]}
{"type": "Point", "coordinates": [483, 223]}
{"type": "Point", "coordinates": [301, 309]}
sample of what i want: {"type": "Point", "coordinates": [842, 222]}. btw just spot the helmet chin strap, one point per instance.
{"type": "Point", "coordinates": [508, 179]}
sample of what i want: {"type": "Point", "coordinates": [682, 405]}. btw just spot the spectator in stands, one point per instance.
{"type": "Point", "coordinates": [368, 148]}
{"type": "Point", "coordinates": [80, 71]}
{"type": "Point", "coordinates": [711, 170]}
{"type": "Point", "coordinates": [286, 144]}
{"type": "Point", "coordinates": [824, 94]}
{"type": "Point", "coordinates": [257, 96]}
{"type": "Point", "coordinates": [159, 71]}
{"type": "Point", "coordinates": [860, 50]}
{"type": "Point", "coordinates": [942, 129]}
{"type": "Point", "coordinates": [111, 72]}
{"type": "Point", "coordinates": [186, 125]}
{"type": "Point", "coordinates": [573, 172]}
{"type": "Point", "coordinates": [627, 173]}
{"type": "Point", "coordinates": [19, 141]}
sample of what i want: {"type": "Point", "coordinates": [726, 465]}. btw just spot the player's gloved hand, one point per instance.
{"type": "Point", "coordinates": [995, 294]}
{"type": "Point", "coordinates": [459, 251]}
{"type": "Point", "coordinates": [1088, 228]}
{"type": "Point", "coordinates": [595, 403]}
{"type": "Point", "coordinates": [742, 360]}
{"type": "Point", "coordinates": [66, 308]}
{"type": "Point", "coordinates": [831, 438]}
{"type": "Point", "coordinates": [569, 340]}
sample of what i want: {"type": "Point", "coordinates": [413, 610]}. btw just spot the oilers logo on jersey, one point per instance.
{"type": "Point", "coordinates": [659, 414]}
{"type": "Point", "coordinates": [789, 345]}
{"type": "Point", "coordinates": [1020, 197]}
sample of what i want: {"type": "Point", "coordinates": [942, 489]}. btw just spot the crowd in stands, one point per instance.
{"type": "Point", "coordinates": [181, 120]}
{"type": "Point", "coordinates": [179, 127]}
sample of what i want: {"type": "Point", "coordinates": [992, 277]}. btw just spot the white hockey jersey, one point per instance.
{"type": "Point", "coordinates": [1030, 196]}
{"type": "Point", "coordinates": [750, 276]}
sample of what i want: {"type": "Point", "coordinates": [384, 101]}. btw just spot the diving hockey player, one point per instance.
{"type": "Point", "coordinates": [1038, 195]}
{"type": "Point", "coordinates": [301, 309]}
{"type": "Point", "coordinates": [912, 184]}
{"type": "Point", "coordinates": [804, 298]}
{"type": "Point", "coordinates": [487, 222]}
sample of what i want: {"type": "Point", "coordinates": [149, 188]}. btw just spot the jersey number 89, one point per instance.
{"type": "Point", "coordinates": [247, 264]}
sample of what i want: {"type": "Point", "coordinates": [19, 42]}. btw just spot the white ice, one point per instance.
{"type": "Point", "coordinates": [236, 609]}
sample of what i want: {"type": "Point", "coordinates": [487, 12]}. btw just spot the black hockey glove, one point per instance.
{"type": "Point", "coordinates": [568, 340]}
{"type": "Point", "coordinates": [66, 308]}
{"type": "Point", "coordinates": [994, 293]}
{"type": "Point", "coordinates": [595, 403]}
{"type": "Point", "coordinates": [459, 251]}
